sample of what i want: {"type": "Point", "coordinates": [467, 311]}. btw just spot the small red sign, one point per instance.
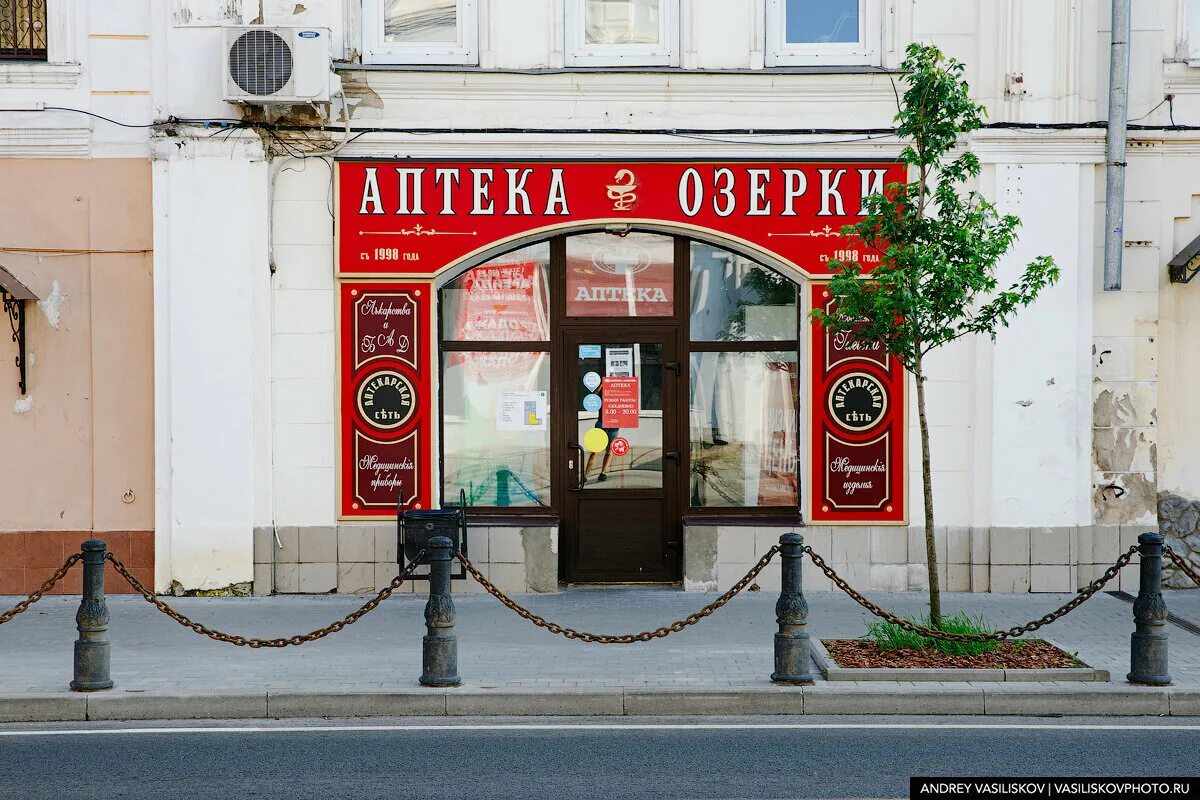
{"type": "Point", "coordinates": [858, 428]}
{"type": "Point", "coordinates": [621, 402]}
{"type": "Point", "coordinates": [386, 420]}
{"type": "Point", "coordinates": [619, 446]}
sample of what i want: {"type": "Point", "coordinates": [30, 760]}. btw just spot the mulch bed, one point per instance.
{"type": "Point", "coordinates": [1033, 654]}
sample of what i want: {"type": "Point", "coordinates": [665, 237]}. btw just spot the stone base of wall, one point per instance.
{"type": "Point", "coordinates": [360, 558]}
{"type": "Point", "coordinates": [1179, 522]}
{"type": "Point", "coordinates": [893, 559]}
{"type": "Point", "coordinates": [28, 558]}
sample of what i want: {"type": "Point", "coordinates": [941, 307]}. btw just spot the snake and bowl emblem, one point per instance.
{"type": "Point", "coordinates": [623, 190]}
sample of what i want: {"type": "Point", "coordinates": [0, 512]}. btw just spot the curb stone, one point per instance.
{"type": "Point", "coordinates": [1039, 699]}
{"type": "Point", "coordinates": [144, 706]}
{"type": "Point", "coordinates": [473, 702]}
{"type": "Point", "coordinates": [878, 697]}
{"type": "Point", "coordinates": [65, 707]}
{"type": "Point", "coordinates": [420, 703]}
{"type": "Point", "coordinates": [867, 698]}
{"type": "Point", "coordinates": [714, 702]}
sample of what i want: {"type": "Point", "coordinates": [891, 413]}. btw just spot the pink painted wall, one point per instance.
{"type": "Point", "coordinates": [88, 433]}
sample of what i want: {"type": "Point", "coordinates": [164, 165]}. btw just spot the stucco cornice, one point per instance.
{"type": "Point", "coordinates": [45, 142]}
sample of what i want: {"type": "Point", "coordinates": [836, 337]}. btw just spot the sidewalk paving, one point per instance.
{"type": "Point", "coordinates": [720, 666]}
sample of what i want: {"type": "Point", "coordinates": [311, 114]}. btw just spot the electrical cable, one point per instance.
{"type": "Point", "coordinates": [274, 130]}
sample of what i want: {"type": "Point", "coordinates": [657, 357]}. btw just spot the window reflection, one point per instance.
{"type": "Point", "coordinates": [420, 21]}
{"type": "Point", "coordinates": [735, 299]}
{"type": "Point", "coordinates": [621, 21]}
{"type": "Point", "coordinates": [822, 21]}
{"type": "Point", "coordinates": [743, 429]}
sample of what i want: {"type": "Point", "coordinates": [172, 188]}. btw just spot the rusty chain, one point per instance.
{"type": "Point", "coordinates": [1179, 561]}
{"type": "Point", "coordinates": [993, 636]}
{"type": "Point", "coordinates": [619, 638]}
{"type": "Point", "coordinates": [24, 605]}
{"type": "Point", "coordinates": [254, 642]}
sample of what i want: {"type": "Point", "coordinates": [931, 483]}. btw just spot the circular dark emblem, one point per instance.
{"type": "Point", "coordinates": [858, 401]}
{"type": "Point", "coordinates": [387, 399]}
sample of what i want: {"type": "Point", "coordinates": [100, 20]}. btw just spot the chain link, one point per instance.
{"type": "Point", "coordinates": [993, 636]}
{"type": "Point", "coordinates": [620, 638]}
{"type": "Point", "coordinates": [254, 642]}
{"type": "Point", "coordinates": [24, 605]}
{"type": "Point", "coordinates": [1179, 561]}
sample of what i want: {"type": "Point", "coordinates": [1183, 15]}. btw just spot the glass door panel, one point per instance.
{"type": "Point", "coordinates": [619, 391]}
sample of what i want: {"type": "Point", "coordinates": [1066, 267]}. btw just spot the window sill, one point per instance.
{"type": "Point", "coordinates": [26, 73]}
{"type": "Point", "coordinates": [516, 520]}
{"type": "Point", "coordinates": [754, 518]}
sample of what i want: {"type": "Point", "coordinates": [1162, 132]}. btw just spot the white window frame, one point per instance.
{"type": "Point", "coordinates": [1192, 27]}
{"type": "Point", "coordinates": [865, 52]}
{"type": "Point", "coordinates": [579, 53]}
{"type": "Point", "coordinates": [377, 51]}
{"type": "Point", "coordinates": [61, 67]}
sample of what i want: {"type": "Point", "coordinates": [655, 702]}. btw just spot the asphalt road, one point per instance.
{"type": "Point", "coordinates": [694, 758]}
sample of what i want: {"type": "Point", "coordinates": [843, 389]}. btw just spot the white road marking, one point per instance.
{"type": "Point", "coordinates": [768, 726]}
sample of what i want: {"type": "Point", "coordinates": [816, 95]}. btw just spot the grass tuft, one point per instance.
{"type": "Point", "coordinates": [889, 636]}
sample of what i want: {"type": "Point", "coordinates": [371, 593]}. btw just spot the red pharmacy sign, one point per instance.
{"type": "Point", "coordinates": [858, 429]}
{"type": "Point", "coordinates": [417, 217]}
{"type": "Point", "coordinates": [386, 422]}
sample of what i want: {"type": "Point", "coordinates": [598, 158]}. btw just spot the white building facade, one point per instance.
{"type": "Point", "coordinates": [1053, 447]}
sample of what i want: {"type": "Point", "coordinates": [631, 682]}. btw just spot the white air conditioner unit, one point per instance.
{"type": "Point", "coordinates": [267, 65]}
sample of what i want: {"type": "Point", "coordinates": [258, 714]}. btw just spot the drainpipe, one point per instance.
{"type": "Point", "coordinates": [1118, 108]}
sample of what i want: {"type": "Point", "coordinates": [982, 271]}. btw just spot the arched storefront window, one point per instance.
{"type": "Point", "coordinates": [714, 339]}
{"type": "Point", "coordinates": [743, 385]}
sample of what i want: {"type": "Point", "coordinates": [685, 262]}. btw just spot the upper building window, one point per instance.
{"type": "Point", "coordinates": [836, 32]}
{"type": "Point", "coordinates": [23, 30]}
{"type": "Point", "coordinates": [622, 33]}
{"type": "Point", "coordinates": [420, 32]}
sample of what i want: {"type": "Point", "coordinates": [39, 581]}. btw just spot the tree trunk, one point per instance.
{"type": "Point", "coordinates": [935, 591]}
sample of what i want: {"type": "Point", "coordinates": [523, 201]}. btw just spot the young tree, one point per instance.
{"type": "Point", "coordinates": [938, 244]}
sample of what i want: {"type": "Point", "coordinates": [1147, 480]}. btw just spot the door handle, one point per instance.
{"type": "Point", "coordinates": [672, 456]}
{"type": "Point", "coordinates": [579, 479]}
{"type": "Point", "coordinates": [673, 366]}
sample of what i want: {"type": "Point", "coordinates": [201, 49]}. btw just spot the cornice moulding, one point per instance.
{"type": "Point", "coordinates": [45, 142]}
{"type": "Point", "coordinates": [600, 86]}
{"type": "Point", "coordinates": [25, 74]}
{"type": "Point", "coordinates": [384, 145]}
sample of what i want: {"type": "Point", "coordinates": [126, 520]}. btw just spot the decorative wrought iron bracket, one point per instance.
{"type": "Point", "coordinates": [1186, 263]}
{"type": "Point", "coordinates": [1183, 273]}
{"type": "Point", "coordinates": [14, 310]}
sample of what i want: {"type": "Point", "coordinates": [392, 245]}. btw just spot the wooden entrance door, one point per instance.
{"type": "Point", "coordinates": [617, 405]}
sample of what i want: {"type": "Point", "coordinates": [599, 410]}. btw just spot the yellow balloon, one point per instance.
{"type": "Point", "coordinates": [595, 440]}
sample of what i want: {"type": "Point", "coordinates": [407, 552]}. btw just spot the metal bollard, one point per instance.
{"type": "Point", "coordinates": [793, 663]}
{"type": "Point", "coordinates": [439, 647]}
{"type": "Point", "coordinates": [92, 648]}
{"type": "Point", "coordinates": [1148, 644]}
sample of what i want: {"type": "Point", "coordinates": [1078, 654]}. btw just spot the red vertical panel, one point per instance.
{"type": "Point", "coordinates": [858, 428]}
{"type": "Point", "coordinates": [388, 407]}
